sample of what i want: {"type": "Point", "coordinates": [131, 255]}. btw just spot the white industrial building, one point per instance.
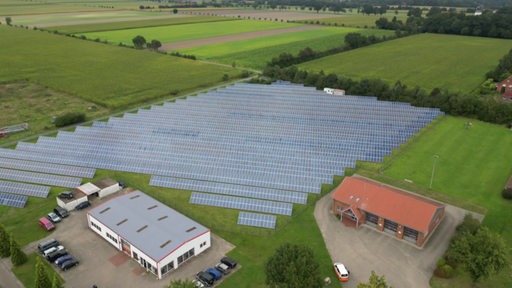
{"type": "Point", "coordinates": [159, 238]}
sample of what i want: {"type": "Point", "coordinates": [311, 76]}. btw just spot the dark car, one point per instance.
{"type": "Point", "coordinates": [56, 255]}
{"type": "Point", "coordinates": [83, 205]}
{"type": "Point", "coordinates": [45, 245]}
{"type": "Point", "coordinates": [66, 195]}
{"type": "Point", "coordinates": [215, 273]}
{"type": "Point", "coordinates": [205, 278]}
{"type": "Point", "coordinates": [69, 264]}
{"type": "Point", "coordinates": [63, 259]}
{"type": "Point", "coordinates": [63, 213]}
{"type": "Point", "coordinates": [231, 263]}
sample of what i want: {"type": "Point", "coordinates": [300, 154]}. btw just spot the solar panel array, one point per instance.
{"type": "Point", "coordinates": [13, 200]}
{"type": "Point", "coordinates": [271, 142]}
{"type": "Point", "coordinates": [257, 220]}
{"type": "Point", "coordinates": [47, 168]}
{"type": "Point", "coordinates": [33, 177]}
{"type": "Point", "coordinates": [241, 203]}
{"type": "Point", "coordinates": [24, 189]}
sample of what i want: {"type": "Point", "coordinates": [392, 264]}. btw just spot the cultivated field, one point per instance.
{"type": "Point", "coordinates": [263, 14]}
{"type": "Point", "coordinates": [107, 75]}
{"type": "Point", "coordinates": [358, 20]}
{"type": "Point", "coordinates": [176, 33]}
{"type": "Point", "coordinates": [256, 53]}
{"type": "Point", "coordinates": [457, 63]}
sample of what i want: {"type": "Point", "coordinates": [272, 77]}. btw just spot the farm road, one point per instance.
{"type": "Point", "coordinates": [235, 37]}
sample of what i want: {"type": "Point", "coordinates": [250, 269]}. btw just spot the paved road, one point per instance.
{"type": "Point", "coordinates": [365, 249]}
{"type": "Point", "coordinates": [8, 280]}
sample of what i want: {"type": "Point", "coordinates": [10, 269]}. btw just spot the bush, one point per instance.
{"type": "Point", "coordinates": [446, 271]}
{"type": "Point", "coordinates": [69, 118]}
{"type": "Point", "coordinates": [507, 193]}
{"type": "Point", "coordinates": [441, 262]}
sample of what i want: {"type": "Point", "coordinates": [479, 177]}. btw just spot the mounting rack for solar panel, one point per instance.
{"type": "Point", "coordinates": [14, 128]}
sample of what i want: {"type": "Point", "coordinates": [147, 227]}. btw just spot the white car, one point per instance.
{"type": "Point", "coordinates": [50, 250]}
{"type": "Point", "coordinates": [341, 271]}
{"type": "Point", "coordinates": [53, 217]}
{"type": "Point", "coordinates": [198, 283]}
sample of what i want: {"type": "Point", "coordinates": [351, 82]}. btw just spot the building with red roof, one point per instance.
{"type": "Point", "coordinates": [362, 201]}
{"type": "Point", "coordinates": [505, 88]}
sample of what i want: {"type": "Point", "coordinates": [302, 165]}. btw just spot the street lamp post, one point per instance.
{"type": "Point", "coordinates": [433, 170]}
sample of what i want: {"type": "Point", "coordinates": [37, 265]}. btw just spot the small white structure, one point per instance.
{"type": "Point", "coordinates": [70, 204]}
{"type": "Point", "coordinates": [107, 186]}
{"type": "Point", "coordinates": [333, 91]}
{"type": "Point", "coordinates": [159, 238]}
{"type": "Point", "coordinates": [88, 189]}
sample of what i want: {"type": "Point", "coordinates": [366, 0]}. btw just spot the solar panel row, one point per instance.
{"type": "Point", "coordinates": [24, 189]}
{"type": "Point", "coordinates": [13, 200]}
{"type": "Point", "coordinates": [257, 220]}
{"type": "Point", "coordinates": [240, 203]}
{"type": "Point", "coordinates": [49, 168]}
{"type": "Point", "coordinates": [40, 178]}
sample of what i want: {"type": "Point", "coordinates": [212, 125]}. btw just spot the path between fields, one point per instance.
{"type": "Point", "coordinates": [233, 37]}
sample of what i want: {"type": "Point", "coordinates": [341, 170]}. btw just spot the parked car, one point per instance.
{"type": "Point", "coordinates": [53, 217]}
{"type": "Point", "coordinates": [215, 273]}
{"type": "Point", "coordinates": [46, 224]}
{"type": "Point", "coordinates": [205, 278]}
{"type": "Point", "coordinates": [52, 249]}
{"type": "Point", "coordinates": [69, 264]}
{"type": "Point", "coordinates": [83, 205]}
{"type": "Point", "coordinates": [231, 263]}
{"type": "Point", "coordinates": [63, 259]}
{"type": "Point", "coordinates": [223, 268]}
{"type": "Point", "coordinates": [45, 245]}
{"type": "Point", "coordinates": [341, 271]}
{"type": "Point", "coordinates": [66, 195]}
{"type": "Point", "coordinates": [61, 212]}
{"type": "Point", "coordinates": [56, 255]}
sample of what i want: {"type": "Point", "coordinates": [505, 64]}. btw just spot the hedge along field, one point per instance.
{"type": "Point", "coordinates": [255, 53]}
{"type": "Point", "coordinates": [95, 27]}
{"type": "Point", "coordinates": [457, 63]}
{"type": "Point", "coordinates": [104, 74]}
{"type": "Point", "coordinates": [184, 32]}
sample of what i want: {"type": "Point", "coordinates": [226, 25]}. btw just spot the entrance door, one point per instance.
{"type": "Point", "coordinates": [126, 247]}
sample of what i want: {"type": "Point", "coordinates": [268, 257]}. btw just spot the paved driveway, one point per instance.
{"type": "Point", "coordinates": [365, 249]}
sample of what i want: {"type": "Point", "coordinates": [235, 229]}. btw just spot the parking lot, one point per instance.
{"type": "Point", "coordinates": [105, 266]}
{"type": "Point", "coordinates": [365, 249]}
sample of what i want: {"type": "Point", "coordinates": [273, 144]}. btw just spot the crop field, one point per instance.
{"type": "Point", "coordinates": [255, 53]}
{"type": "Point", "coordinates": [186, 31]}
{"type": "Point", "coordinates": [473, 165]}
{"type": "Point", "coordinates": [358, 20]}
{"type": "Point", "coordinates": [457, 63]}
{"type": "Point", "coordinates": [107, 75]}
{"type": "Point", "coordinates": [108, 26]}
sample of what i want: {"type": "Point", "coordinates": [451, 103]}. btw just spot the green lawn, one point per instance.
{"type": "Point", "coordinates": [255, 53]}
{"type": "Point", "coordinates": [109, 26]}
{"type": "Point", "coordinates": [473, 165]}
{"type": "Point", "coordinates": [185, 32]}
{"type": "Point", "coordinates": [104, 74]}
{"type": "Point", "coordinates": [457, 63]}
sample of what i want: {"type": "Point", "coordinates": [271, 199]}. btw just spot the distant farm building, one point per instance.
{"type": "Point", "coordinates": [505, 88]}
{"type": "Point", "coordinates": [388, 209]}
{"type": "Point", "coordinates": [159, 238]}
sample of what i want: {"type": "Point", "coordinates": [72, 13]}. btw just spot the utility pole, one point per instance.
{"type": "Point", "coordinates": [433, 170]}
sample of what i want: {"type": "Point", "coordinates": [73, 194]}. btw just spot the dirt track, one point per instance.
{"type": "Point", "coordinates": [228, 38]}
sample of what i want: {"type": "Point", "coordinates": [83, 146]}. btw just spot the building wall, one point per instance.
{"type": "Point", "coordinates": [432, 227]}
{"type": "Point", "coordinates": [109, 190]}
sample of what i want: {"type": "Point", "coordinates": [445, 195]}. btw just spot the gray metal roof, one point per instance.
{"type": "Point", "coordinates": [147, 224]}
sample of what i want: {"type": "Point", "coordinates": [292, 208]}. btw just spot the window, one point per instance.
{"type": "Point", "coordinates": [96, 226]}
{"type": "Point", "coordinates": [135, 256]}
{"type": "Point", "coordinates": [202, 244]}
{"type": "Point", "coordinates": [112, 238]}
{"type": "Point", "coordinates": [167, 268]}
{"type": "Point", "coordinates": [186, 256]}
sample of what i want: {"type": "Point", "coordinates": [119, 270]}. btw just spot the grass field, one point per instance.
{"type": "Point", "coordinates": [457, 63]}
{"type": "Point", "coordinates": [82, 28]}
{"type": "Point", "coordinates": [359, 20]}
{"type": "Point", "coordinates": [186, 31]}
{"type": "Point", "coordinates": [107, 75]}
{"type": "Point", "coordinates": [255, 53]}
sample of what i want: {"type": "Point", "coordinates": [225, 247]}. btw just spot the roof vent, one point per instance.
{"type": "Point", "coordinates": [357, 199]}
{"type": "Point", "coordinates": [162, 218]}
{"type": "Point", "coordinates": [167, 242]}
{"type": "Point", "coordinates": [142, 228]}
{"type": "Point", "coordinates": [104, 210]}
{"type": "Point", "coordinates": [191, 229]}
{"type": "Point", "coordinates": [136, 196]}
{"type": "Point", "coordinates": [122, 221]}
{"type": "Point", "coordinates": [351, 197]}
{"type": "Point", "coordinates": [152, 207]}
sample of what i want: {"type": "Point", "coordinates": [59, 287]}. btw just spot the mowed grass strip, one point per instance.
{"type": "Point", "coordinates": [104, 74]}
{"type": "Point", "coordinates": [175, 33]}
{"type": "Point", "coordinates": [473, 165]}
{"type": "Point", "coordinates": [95, 27]}
{"type": "Point", "coordinates": [256, 53]}
{"type": "Point", "coordinates": [457, 63]}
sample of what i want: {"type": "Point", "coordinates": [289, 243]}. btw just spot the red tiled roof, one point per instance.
{"type": "Point", "coordinates": [388, 202]}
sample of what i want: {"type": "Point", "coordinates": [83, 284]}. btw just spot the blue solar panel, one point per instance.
{"type": "Point", "coordinates": [241, 203]}
{"type": "Point", "coordinates": [49, 168]}
{"type": "Point", "coordinates": [40, 178]}
{"type": "Point", "coordinates": [24, 189]}
{"type": "Point", "coordinates": [257, 220]}
{"type": "Point", "coordinates": [17, 201]}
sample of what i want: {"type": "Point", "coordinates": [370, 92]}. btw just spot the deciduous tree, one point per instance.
{"type": "Point", "coordinates": [139, 42]}
{"type": "Point", "coordinates": [293, 266]}
{"type": "Point", "coordinates": [181, 284]}
{"type": "Point", "coordinates": [375, 281]}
